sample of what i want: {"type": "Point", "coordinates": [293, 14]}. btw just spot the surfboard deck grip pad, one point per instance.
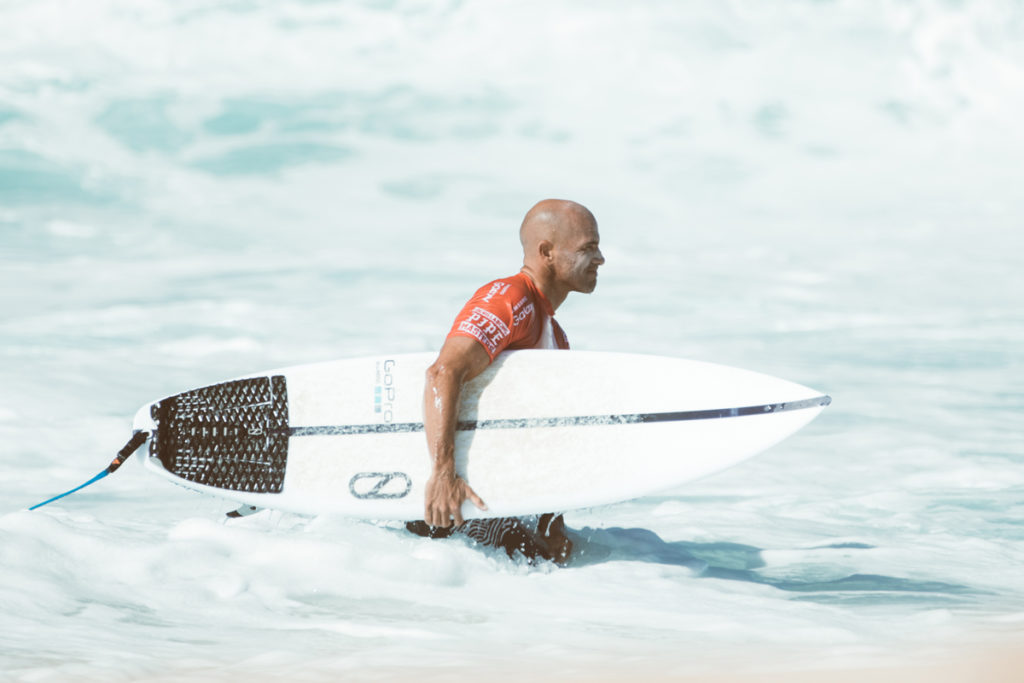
{"type": "Point", "coordinates": [232, 435]}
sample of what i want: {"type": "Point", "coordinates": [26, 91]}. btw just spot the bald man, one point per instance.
{"type": "Point", "coordinates": [561, 254]}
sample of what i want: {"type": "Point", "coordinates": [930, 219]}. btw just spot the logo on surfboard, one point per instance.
{"type": "Point", "coordinates": [380, 485]}
{"type": "Point", "coordinates": [384, 391]}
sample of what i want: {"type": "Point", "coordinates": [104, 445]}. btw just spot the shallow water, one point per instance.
{"type": "Point", "coordinates": [823, 191]}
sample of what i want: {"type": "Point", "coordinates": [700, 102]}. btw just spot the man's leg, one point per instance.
{"type": "Point", "coordinates": [551, 534]}
{"type": "Point", "coordinates": [511, 534]}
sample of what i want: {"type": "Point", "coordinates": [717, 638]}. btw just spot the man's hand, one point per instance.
{"type": "Point", "coordinates": [445, 494]}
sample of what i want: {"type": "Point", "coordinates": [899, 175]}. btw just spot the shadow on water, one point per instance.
{"type": "Point", "coordinates": [738, 562]}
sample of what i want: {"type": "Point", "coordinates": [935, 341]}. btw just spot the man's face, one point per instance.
{"type": "Point", "coordinates": [578, 256]}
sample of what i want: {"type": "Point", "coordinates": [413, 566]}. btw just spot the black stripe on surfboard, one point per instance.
{"type": "Point", "coordinates": [572, 421]}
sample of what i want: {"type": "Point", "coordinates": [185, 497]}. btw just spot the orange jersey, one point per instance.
{"type": "Point", "coordinates": [510, 313]}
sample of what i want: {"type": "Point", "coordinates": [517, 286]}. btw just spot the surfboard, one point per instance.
{"type": "Point", "coordinates": [537, 431]}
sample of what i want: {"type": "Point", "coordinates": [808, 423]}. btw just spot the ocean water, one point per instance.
{"type": "Point", "coordinates": [824, 191]}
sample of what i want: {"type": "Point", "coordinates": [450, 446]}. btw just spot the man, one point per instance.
{"type": "Point", "coordinates": [561, 254]}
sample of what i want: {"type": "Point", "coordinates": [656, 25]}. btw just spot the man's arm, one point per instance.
{"type": "Point", "coordinates": [461, 359]}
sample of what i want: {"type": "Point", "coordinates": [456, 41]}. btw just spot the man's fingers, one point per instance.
{"type": "Point", "coordinates": [441, 519]}
{"type": "Point", "coordinates": [477, 500]}
{"type": "Point", "coordinates": [444, 507]}
{"type": "Point", "coordinates": [437, 517]}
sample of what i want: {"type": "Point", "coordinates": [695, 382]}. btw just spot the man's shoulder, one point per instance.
{"type": "Point", "coordinates": [510, 289]}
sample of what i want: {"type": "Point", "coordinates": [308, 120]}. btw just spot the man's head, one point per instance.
{"type": "Point", "coordinates": [560, 248]}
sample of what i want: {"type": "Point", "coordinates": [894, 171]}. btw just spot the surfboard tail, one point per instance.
{"type": "Point", "coordinates": [232, 435]}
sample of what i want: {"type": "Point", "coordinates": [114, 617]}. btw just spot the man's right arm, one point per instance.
{"type": "Point", "coordinates": [460, 360]}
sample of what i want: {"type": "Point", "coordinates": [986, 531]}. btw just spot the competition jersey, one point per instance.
{"type": "Point", "coordinates": [510, 313]}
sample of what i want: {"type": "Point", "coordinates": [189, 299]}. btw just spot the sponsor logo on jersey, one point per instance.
{"type": "Point", "coordinates": [499, 288]}
{"type": "Point", "coordinates": [520, 316]}
{"type": "Point", "coordinates": [485, 327]}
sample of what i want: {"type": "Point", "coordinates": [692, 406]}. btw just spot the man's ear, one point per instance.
{"type": "Point", "coordinates": [545, 249]}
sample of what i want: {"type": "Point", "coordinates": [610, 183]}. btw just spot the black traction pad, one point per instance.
{"type": "Point", "coordinates": [232, 435]}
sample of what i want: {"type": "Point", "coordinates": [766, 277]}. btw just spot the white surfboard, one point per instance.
{"type": "Point", "coordinates": [538, 431]}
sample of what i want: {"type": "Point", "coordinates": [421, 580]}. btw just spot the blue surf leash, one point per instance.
{"type": "Point", "coordinates": [133, 444]}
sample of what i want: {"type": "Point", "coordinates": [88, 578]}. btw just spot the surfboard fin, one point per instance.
{"type": "Point", "coordinates": [243, 511]}
{"type": "Point", "coordinates": [138, 438]}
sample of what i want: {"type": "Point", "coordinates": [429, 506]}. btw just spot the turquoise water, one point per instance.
{"type": "Point", "coordinates": [823, 191]}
